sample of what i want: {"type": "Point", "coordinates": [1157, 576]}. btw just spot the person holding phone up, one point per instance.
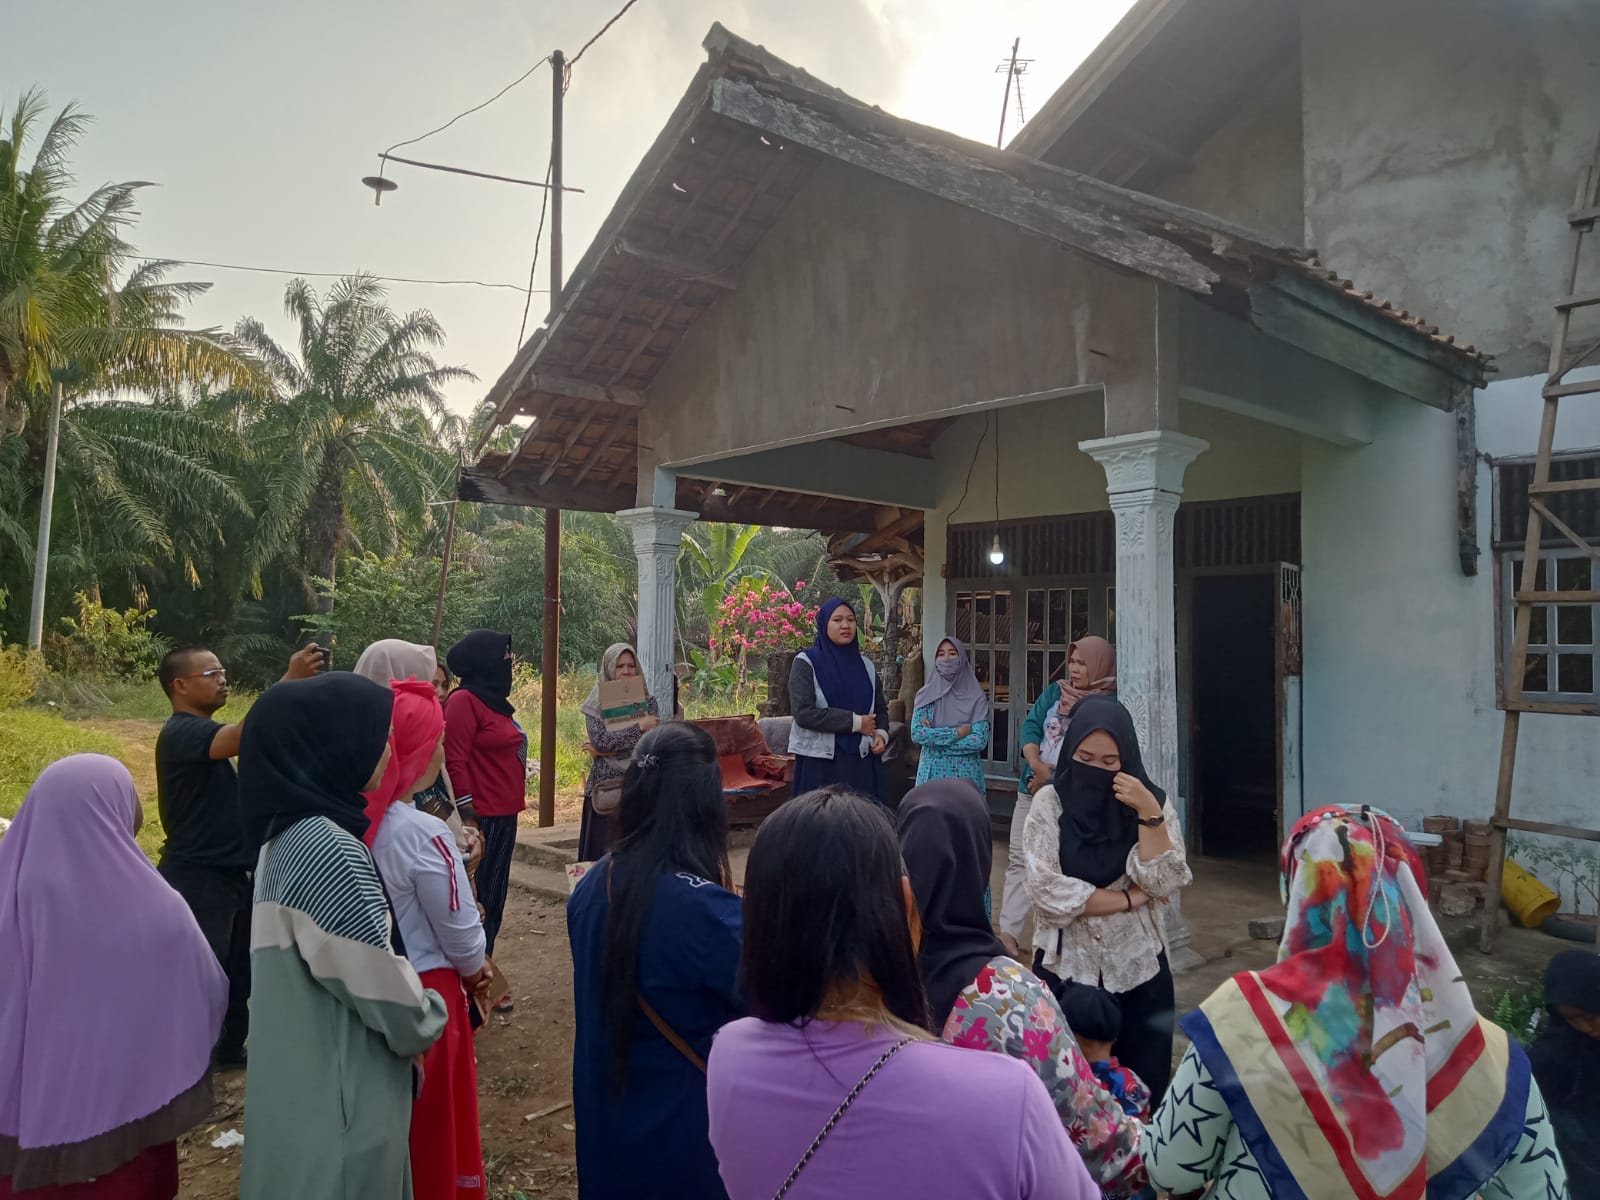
{"type": "Point", "coordinates": [206, 857]}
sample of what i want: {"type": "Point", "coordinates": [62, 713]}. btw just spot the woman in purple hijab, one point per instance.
{"type": "Point", "coordinates": [110, 998]}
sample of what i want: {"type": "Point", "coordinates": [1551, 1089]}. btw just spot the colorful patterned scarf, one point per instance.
{"type": "Point", "coordinates": [1357, 1066]}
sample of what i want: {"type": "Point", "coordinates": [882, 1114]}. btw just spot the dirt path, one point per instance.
{"type": "Point", "coordinates": [524, 1066]}
{"type": "Point", "coordinates": [138, 740]}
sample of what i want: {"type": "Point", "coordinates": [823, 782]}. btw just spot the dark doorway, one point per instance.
{"type": "Point", "coordinates": [1234, 736]}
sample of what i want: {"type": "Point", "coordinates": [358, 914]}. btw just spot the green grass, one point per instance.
{"type": "Point", "coordinates": [82, 699]}
{"type": "Point", "coordinates": [30, 741]}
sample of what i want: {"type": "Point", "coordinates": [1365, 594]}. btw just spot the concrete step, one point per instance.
{"type": "Point", "coordinates": [554, 847]}
{"type": "Point", "coordinates": [541, 881]}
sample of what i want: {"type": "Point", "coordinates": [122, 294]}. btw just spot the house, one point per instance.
{"type": "Point", "coordinates": [1104, 356]}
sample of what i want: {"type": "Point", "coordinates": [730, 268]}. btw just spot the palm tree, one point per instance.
{"type": "Point", "coordinates": [60, 310]}
{"type": "Point", "coordinates": [351, 448]}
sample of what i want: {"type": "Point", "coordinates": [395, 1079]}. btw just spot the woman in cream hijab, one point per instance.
{"type": "Point", "coordinates": [612, 750]}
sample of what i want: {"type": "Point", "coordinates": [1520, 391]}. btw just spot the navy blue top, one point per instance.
{"type": "Point", "coordinates": [651, 1139]}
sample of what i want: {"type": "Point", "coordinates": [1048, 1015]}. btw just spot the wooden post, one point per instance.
{"type": "Point", "coordinates": [550, 661]}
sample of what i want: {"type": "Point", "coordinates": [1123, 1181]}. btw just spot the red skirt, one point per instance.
{"type": "Point", "coordinates": [150, 1175]}
{"type": "Point", "coordinates": [446, 1155]}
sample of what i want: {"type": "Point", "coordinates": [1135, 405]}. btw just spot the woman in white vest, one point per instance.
{"type": "Point", "coordinates": [841, 721]}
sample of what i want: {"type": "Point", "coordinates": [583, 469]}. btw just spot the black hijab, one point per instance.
{"type": "Point", "coordinates": [479, 661]}
{"type": "Point", "coordinates": [307, 749]}
{"type": "Point", "coordinates": [1098, 830]}
{"type": "Point", "coordinates": [1566, 1063]}
{"type": "Point", "coordinates": [948, 851]}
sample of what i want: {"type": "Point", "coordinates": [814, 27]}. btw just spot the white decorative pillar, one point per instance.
{"type": "Point", "coordinates": [657, 534]}
{"type": "Point", "coordinates": [1144, 479]}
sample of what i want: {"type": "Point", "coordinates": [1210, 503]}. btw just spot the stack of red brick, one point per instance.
{"type": "Point", "coordinates": [1457, 866]}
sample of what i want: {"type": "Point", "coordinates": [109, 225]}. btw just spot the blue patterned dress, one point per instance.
{"type": "Point", "coordinates": [946, 756]}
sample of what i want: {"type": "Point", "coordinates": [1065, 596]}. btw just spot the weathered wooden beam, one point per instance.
{"type": "Point", "coordinates": [678, 266]}
{"type": "Point", "coordinates": [887, 535]}
{"type": "Point", "coordinates": [962, 180]}
{"type": "Point", "coordinates": [1466, 415]}
{"type": "Point", "coordinates": [1566, 831]}
{"type": "Point", "coordinates": [604, 444]}
{"type": "Point", "coordinates": [484, 485]}
{"type": "Point", "coordinates": [582, 389]}
{"type": "Point", "coordinates": [1360, 319]}
{"type": "Point", "coordinates": [579, 424]}
{"type": "Point", "coordinates": [1329, 337]}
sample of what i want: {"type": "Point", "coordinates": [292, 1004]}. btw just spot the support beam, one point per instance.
{"type": "Point", "coordinates": [483, 485]}
{"type": "Point", "coordinates": [1228, 365]}
{"type": "Point", "coordinates": [1466, 416]}
{"type": "Point", "coordinates": [834, 468]}
{"type": "Point", "coordinates": [677, 266]}
{"type": "Point", "coordinates": [1144, 480]}
{"type": "Point", "coordinates": [657, 535]}
{"type": "Point", "coordinates": [580, 389]}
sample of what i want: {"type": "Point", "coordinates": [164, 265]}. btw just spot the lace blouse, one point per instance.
{"type": "Point", "coordinates": [1118, 951]}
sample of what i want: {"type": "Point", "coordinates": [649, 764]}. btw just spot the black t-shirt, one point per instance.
{"type": "Point", "coordinates": [199, 796]}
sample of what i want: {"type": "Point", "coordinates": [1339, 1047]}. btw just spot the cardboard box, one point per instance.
{"type": "Point", "coordinates": [623, 702]}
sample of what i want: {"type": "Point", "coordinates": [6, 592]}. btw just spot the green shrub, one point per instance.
{"type": "Point", "coordinates": [20, 673]}
{"type": "Point", "coordinates": [107, 643]}
{"type": "Point", "coordinates": [1517, 1011]}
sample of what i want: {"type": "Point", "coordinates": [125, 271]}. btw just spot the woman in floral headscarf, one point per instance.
{"type": "Point", "coordinates": [1357, 1065]}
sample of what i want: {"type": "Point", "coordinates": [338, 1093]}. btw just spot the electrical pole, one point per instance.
{"type": "Point", "coordinates": [551, 661]}
{"type": "Point", "coordinates": [1011, 73]}
{"type": "Point", "coordinates": [47, 496]}
{"type": "Point", "coordinates": [444, 565]}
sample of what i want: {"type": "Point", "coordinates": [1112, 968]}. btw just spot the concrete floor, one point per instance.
{"type": "Point", "coordinates": [1224, 897]}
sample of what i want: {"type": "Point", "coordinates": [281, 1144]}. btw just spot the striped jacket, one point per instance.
{"type": "Point", "coordinates": [335, 1019]}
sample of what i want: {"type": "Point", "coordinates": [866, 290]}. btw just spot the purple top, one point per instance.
{"type": "Point", "coordinates": [110, 997]}
{"type": "Point", "coordinates": [937, 1122]}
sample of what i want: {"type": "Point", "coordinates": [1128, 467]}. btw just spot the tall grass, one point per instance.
{"type": "Point", "coordinates": [31, 740]}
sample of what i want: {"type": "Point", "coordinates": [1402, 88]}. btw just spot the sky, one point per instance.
{"type": "Point", "coordinates": [257, 121]}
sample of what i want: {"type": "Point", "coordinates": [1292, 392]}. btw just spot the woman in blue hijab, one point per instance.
{"type": "Point", "coordinates": [841, 721]}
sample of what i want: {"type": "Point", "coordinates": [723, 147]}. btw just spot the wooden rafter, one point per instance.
{"type": "Point", "coordinates": [678, 266]}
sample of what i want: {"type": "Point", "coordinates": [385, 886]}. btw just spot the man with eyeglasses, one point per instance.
{"type": "Point", "coordinates": [206, 858]}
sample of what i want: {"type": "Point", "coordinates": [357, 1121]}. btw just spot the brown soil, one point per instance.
{"type": "Point", "coordinates": [138, 740]}
{"type": "Point", "coordinates": [524, 1066]}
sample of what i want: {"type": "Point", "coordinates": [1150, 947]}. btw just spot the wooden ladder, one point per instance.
{"type": "Point", "coordinates": [1582, 219]}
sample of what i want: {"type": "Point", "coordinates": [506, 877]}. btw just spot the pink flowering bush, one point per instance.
{"type": "Point", "coordinates": [756, 618]}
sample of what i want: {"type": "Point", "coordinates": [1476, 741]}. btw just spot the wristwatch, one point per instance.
{"type": "Point", "coordinates": [1153, 822]}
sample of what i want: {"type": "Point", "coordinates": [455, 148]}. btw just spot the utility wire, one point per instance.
{"type": "Point", "coordinates": [533, 267]}
{"type": "Point", "coordinates": [604, 29]}
{"type": "Point", "coordinates": [470, 111]}
{"type": "Point", "coordinates": [221, 266]}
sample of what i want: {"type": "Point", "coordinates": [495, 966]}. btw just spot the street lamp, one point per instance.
{"type": "Point", "coordinates": [380, 183]}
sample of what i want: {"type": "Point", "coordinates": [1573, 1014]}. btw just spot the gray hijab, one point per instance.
{"type": "Point", "coordinates": [954, 691]}
{"type": "Point", "coordinates": [391, 659]}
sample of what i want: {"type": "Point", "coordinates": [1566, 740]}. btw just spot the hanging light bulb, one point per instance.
{"type": "Point", "coordinates": [996, 555]}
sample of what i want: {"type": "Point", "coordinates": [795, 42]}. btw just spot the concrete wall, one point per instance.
{"type": "Point", "coordinates": [1043, 473]}
{"type": "Point", "coordinates": [872, 297]}
{"type": "Point", "coordinates": [1442, 144]}
{"type": "Point", "coordinates": [1251, 171]}
{"type": "Point", "coordinates": [1399, 645]}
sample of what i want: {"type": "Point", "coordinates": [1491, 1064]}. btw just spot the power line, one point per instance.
{"type": "Point", "coordinates": [221, 266]}
{"type": "Point", "coordinates": [470, 111]}
{"type": "Point", "coordinates": [533, 267]}
{"type": "Point", "coordinates": [604, 29]}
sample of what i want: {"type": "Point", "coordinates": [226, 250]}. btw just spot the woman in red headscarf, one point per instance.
{"type": "Point", "coordinates": [444, 940]}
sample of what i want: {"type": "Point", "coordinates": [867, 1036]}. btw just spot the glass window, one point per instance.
{"type": "Point", "coordinates": [1562, 638]}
